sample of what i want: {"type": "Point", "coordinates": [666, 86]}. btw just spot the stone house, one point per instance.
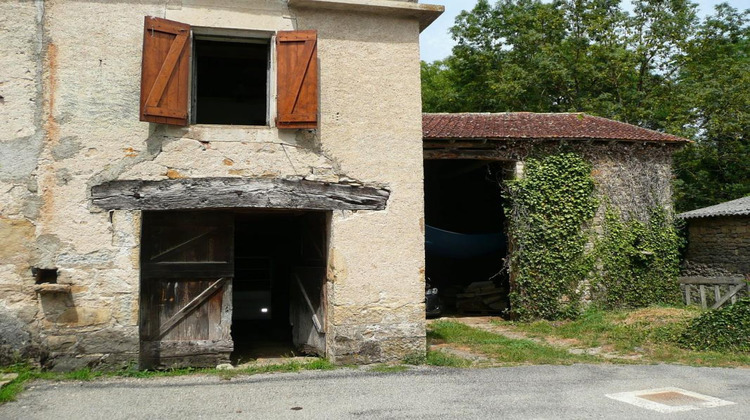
{"type": "Point", "coordinates": [718, 240]}
{"type": "Point", "coordinates": [193, 181]}
{"type": "Point", "coordinates": [468, 157]}
{"type": "Point", "coordinates": [184, 179]}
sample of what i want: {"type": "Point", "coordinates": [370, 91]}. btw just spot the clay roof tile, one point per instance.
{"type": "Point", "coordinates": [528, 125]}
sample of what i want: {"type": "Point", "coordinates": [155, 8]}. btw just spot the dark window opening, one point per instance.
{"type": "Point", "coordinates": [44, 275]}
{"type": "Point", "coordinates": [466, 240]}
{"type": "Point", "coordinates": [231, 82]}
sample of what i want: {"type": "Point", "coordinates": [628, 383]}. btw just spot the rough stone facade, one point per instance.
{"type": "Point", "coordinates": [69, 111]}
{"type": "Point", "coordinates": [718, 246]}
{"type": "Point", "coordinates": [629, 176]}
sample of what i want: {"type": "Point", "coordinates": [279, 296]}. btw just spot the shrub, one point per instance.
{"type": "Point", "coordinates": [726, 329]}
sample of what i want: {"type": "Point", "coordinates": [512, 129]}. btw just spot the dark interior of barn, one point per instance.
{"type": "Point", "coordinates": [230, 80]}
{"type": "Point", "coordinates": [465, 238]}
{"type": "Point", "coordinates": [270, 251]}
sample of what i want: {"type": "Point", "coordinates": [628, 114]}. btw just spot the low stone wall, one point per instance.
{"type": "Point", "coordinates": [718, 244]}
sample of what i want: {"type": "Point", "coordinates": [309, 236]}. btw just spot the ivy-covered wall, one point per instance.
{"type": "Point", "coordinates": [549, 208]}
{"type": "Point", "coordinates": [591, 222]}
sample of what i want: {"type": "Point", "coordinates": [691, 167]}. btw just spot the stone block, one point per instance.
{"type": "Point", "coordinates": [16, 341]}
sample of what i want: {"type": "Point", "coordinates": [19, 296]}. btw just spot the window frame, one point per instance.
{"type": "Point", "coordinates": [169, 73]}
{"type": "Point", "coordinates": [233, 35]}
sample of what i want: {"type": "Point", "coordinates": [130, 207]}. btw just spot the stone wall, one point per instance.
{"type": "Point", "coordinates": [718, 246]}
{"type": "Point", "coordinates": [21, 138]}
{"type": "Point", "coordinates": [70, 90]}
{"type": "Point", "coordinates": [634, 176]}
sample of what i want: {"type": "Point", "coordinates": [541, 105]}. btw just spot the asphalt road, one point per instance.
{"type": "Point", "coordinates": [551, 392]}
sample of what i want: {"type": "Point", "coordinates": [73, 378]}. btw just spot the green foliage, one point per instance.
{"type": "Point", "coordinates": [440, 358]}
{"type": "Point", "coordinates": [389, 368]}
{"type": "Point", "coordinates": [548, 209]}
{"type": "Point", "coordinates": [415, 358]}
{"type": "Point", "coordinates": [725, 329]}
{"type": "Point", "coordinates": [656, 66]}
{"type": "Point", "coordinates": [639, 261]}
{"type": "Point", "coordinates": [714, 93]}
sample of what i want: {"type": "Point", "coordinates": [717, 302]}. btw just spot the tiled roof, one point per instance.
{"type": "Point", "coordinates": [738, 207]}
{"type": "Point", "coordinates": [528, 125]}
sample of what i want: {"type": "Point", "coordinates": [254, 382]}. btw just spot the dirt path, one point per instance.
{"type": "Point", "coordinates": [485, 323]}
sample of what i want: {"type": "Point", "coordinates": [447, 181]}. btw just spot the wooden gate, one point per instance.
{"type": "Point", "coordinates": [187, 266]}
{"type": "Point", "coordinates": [733, 286]}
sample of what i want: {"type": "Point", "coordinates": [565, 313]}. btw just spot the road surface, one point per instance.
{"type": "Point", "coordinates": [545, 392]}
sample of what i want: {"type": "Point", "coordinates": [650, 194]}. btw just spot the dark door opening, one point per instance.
{"type": "Point", "coordinates": [277, 255]}
{"type": "Point", "coordinates": [219, 286]}
{"type": "Point", "coordinates": [465, 237]}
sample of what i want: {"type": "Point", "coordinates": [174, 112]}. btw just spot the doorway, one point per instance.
{"type": "Point", "coordinates": [465, 237]}
{"type": "Point", "coordinates": [229, 285]}
{"type": "Point", "coordinates": [280, 260]}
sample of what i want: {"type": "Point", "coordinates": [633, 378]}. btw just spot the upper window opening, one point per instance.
{"type": "Point", "coordinates": [231, 81]}
{"type": "Point", "coordinates": [212, 78]}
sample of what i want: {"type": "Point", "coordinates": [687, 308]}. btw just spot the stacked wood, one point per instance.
{"type": "Point", "coordinates": [482, 297]}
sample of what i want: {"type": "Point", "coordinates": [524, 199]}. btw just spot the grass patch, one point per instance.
{"type": "Point", "coordinates": [440, 358]}
{"type": "Point", "coordinates": [652, 334]}
{"type": "Point", "coordinates": [503, 350]}
{"type": "Point", "coordinates": [389, 368]}
{"type": "Point", "coordinates": [25, 373]}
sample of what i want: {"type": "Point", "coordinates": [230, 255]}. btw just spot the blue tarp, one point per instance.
{"type": "Point", "coordinates": [444, 243]}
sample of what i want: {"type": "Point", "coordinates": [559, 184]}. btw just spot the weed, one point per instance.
{"type": "Point", "coordinates": [389, 368]}
{"type": "Point", "coordinates": [439, 358]}
{"type": "Point", "coordinates": [415, 359]}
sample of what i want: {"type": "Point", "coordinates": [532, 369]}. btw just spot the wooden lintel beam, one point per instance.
{"type": "Point", "coordinates": [203, 193]}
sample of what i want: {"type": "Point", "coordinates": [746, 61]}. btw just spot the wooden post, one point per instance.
{"type": "Point", "coordinates": [717, 293]}
{"type": "Point", "coordinates": [702, 289]}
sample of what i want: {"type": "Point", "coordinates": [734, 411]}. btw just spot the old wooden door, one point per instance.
{"type": "Point", "coordinates": [307, 292]}
{"type": "Point", "coordinates": [187, 266]}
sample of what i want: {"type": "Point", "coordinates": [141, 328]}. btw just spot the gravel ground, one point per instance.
{"type": "Point", "coordinates": [577, 391]}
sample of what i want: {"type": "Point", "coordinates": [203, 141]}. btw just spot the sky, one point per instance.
{"type": "Point", "coordinates": [436, 42]}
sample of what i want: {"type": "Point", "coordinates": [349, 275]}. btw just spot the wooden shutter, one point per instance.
{"type": "Point", "coordinates": [165, 71]}
{"type": "Point", "coordinates": [297, 79]}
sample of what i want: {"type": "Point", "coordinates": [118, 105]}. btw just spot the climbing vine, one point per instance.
{"type": "Point", "coordinates": [558, 260]}
{"type": "Point", "coordinates": [549, 207]}
{"type": "Point", "coordinates": [639, 260]}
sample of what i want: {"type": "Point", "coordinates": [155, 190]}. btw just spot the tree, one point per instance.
{"type": "Point", "coordinates": [714, 84]}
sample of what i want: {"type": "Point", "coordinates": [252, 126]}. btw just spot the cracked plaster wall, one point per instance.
{"type": "Point", "coordinates": [74, 95]}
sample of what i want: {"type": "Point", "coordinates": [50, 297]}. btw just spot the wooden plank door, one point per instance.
{"type": "Point", "coordinates": [187, 266]}
{"type": "Point", "coordinates": [307, 310]}
{"type": "Point", "coordinates": [308, 298]}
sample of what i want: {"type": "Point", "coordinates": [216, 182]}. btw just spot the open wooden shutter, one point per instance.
{"type": "Point", "coordinates": [297, 79]}
{"type": "Point", "coordinates": [165, 71]}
